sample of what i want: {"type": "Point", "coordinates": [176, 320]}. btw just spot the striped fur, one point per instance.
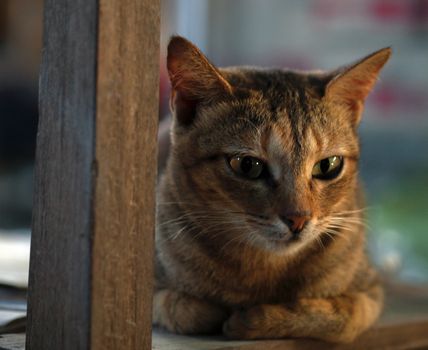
{"type": "Point", "coordinates": [219, 265]}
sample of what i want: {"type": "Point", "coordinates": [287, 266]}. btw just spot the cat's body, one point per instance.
{"type": "Point", "coordinates": [256, 233]}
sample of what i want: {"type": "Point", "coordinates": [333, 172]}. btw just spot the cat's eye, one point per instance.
{"type": "Point", "coordinates": [328, 168]}
{"type": "Point", "coordinates": [249, 167]}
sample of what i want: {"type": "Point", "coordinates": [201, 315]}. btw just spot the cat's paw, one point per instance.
{"type": "Point", "coordinates": [247, 324]}
{"type": "Point", "coordinates": [184, 314]}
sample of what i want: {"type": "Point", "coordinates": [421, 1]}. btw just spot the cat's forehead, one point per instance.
{"type": "Point", "coordinates": [286, 129]}
{"type": "Point", "coordinates": [290, 101]}
{"type": "Point", "coordinates": [279, 115]}
{"type": "Point", "coordinates": [281, 88]}
{"type": "Point", "coordinates": [284, 134]}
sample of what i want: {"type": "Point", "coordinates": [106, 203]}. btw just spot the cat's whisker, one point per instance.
{"type": "Point", "coordinates": [347, 220]}
{"type": "Point", "coordinates": [175, 236]}
{"type": "Point", "coordinates": [330, 235]}
{"type": "Point", "coordinates": [349, 223]}
{"type": "Point", "coordinates": [319, 240]}
{"type": "Point", "coordinates": [346, 228]}
{"type": "Point", "coordinates": [202, 215]}
{"type": "Point", "coordinates": [333, 234]}
{"type": "Point", "coordinates": [221, 203]}
{"type": "Point", "coordinates": [234, 239]}
{"type": "Point", "coordinates": [360, 210]}
{"type": "Point", "coordinates": [219, 227]}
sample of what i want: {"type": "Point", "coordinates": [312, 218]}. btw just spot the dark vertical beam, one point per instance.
{"type": "Point", "coordinates": [93, 222]}
{"type": "Point", "coordinates": [59, 281]}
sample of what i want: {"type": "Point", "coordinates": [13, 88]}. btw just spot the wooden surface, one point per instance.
{"type": "Point", "coordinates": [12, 342]}
{"type": "Point", "coordinates": [404, 325]}
{"type": "Point", "coordinates": [126, 149]}
{"type": "Point", "coordinates": [401, 336]}
{"type": "Point", "coordinates": [59, 280]}
{"type": "Point", "coordinates": [92, 244]}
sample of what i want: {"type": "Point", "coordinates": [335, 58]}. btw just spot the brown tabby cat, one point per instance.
{"type": "Point", "coordinates": [260, 211]}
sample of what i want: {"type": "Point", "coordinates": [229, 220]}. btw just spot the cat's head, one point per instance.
{"type": "Point", "coordinates": [266, 158]}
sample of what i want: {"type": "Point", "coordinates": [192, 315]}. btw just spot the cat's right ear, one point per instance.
{"type": "Point", "coordinates": [193, 79]}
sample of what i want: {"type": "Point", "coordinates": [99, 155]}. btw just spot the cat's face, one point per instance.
{"type": "Point", "coordinates": [265, 158]}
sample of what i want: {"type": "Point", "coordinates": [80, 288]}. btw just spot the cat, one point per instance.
{"type": "Point", "coordinates": [260, 230]}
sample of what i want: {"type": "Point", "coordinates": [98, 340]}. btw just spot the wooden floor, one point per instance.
{"type": "Point", "coordinates": [404, 325]}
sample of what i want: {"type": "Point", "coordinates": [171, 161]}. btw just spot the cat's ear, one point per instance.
{"type": "Point", "coordinates": [351, 84]}
{"type": "Point", "coordinates": [193, 78]}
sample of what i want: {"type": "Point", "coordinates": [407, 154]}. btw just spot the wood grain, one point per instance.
{"type": "Point", "coordinates": [94, 204]}
{"type": "Point", "coordinates": [59, 280]}
{"type": "Point", "coordinates": [126, 149]}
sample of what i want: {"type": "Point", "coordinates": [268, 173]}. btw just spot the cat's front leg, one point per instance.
{"type": "Point", "coordinates": [184, 314]}
{"type": "Point", "coordinates": [339, 319]}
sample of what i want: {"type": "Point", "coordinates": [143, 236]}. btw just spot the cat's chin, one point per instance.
{"type": "Point", "coordinates": [282, 242]}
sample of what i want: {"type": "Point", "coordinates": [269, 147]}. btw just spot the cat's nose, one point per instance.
{"type": "Point", "coordinates": [296, 222]}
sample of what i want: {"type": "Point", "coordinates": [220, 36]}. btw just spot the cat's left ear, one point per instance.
{"type": "Point", "coordinates": [351, 84]}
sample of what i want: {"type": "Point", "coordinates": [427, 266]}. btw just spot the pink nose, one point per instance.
{"type": "Point", "coordinates": [296, 223]}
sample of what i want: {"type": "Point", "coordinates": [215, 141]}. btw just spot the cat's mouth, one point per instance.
{"type": "Point", "coordinates": [279, 238]}
{"type": "Point", "coordinates": [286, 237]}
{"type": "Point", "coordinates": [283, 237]}
{"type": "Point", "coordinates": [276, 235]}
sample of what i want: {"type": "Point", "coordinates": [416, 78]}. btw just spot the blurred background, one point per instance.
{"type": "Point", "coordinates": [312, 34]}
{"type": "Point", "coordinates": [303, 34]}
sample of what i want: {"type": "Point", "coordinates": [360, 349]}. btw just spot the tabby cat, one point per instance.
{"type": "Point", "coordinates": [260, 218]}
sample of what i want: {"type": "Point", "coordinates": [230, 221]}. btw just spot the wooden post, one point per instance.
{"type": "Point", "coordinates": [126, 149]}
{"type": "Point", "coordinates": [91, 267]}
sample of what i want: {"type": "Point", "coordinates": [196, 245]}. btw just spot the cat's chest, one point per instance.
{"type": "Point", "coordinates": [241, 287]}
